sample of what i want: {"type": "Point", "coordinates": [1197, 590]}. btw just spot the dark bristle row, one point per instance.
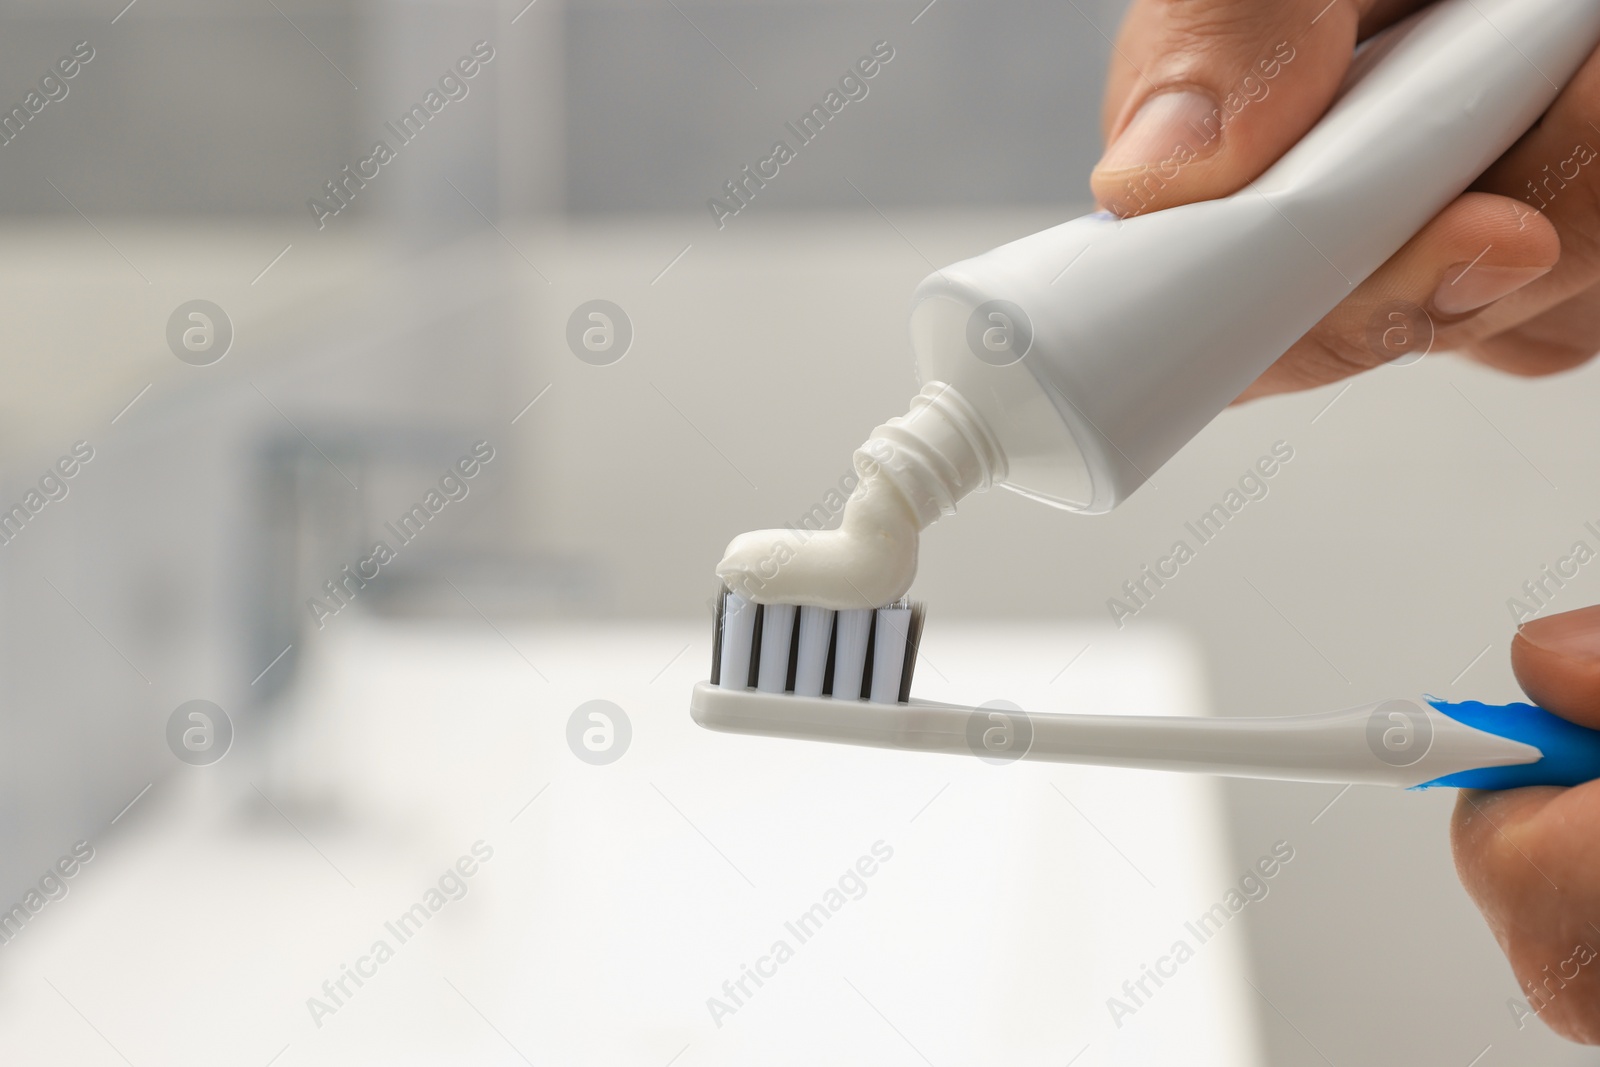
{"type": "Point", "coordinates": [716, 635]}
{"type": "Point", "coordinates": [866, 654]}
{"type": "Point", "coordinates": [913, 639]}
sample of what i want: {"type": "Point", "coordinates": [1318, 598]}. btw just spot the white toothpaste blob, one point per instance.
{"type": "Point", "coordinates": [869, 560]}
{"type": "Point", "coordinates": [913, 470]}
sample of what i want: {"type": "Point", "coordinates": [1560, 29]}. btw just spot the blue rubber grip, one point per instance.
{"type": "Point", "coordinates": [1571, 752]}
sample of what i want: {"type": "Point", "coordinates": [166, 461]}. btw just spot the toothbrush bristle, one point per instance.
{"type": "Point", "coordinates": [776, 635]}
{"type": "Point", "coordinates": [913, 640]}
{"type": "Point", "coordinates": [736, 626]}
{"type": "Point", "coordinates": [811, 653]}
{"type": "Point", "coordinates": [858, 654]}
{"type": "Point", "coordinates": [850, 639]}
{"type": "Point", "coordinates": [717, 614]}
{"type": "Point", "coordinates": [889, 633]}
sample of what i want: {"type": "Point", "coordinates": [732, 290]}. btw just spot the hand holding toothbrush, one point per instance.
{"type": "Point", "coordinates": [1204, 96]}
{"type": "Point", "coordinates": [1527, 856]}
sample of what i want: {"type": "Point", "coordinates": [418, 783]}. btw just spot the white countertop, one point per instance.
{"type": "Point", "coordinates": [619, 898]}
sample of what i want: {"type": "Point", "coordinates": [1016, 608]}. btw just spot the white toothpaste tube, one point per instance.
{"type": "Point", "coordinates": [1128, 336]}
{"type": "Point", "coordinates": [1069, 365]}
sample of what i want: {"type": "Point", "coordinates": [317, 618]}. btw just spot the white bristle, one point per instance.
{"type": "Point", "coordinates": [850, 652]}
{"type": "Point", "coordinates": [811, 667]}
{"type": "Point", "coordinates": [738, 631]}
{"type": "Point", "coordinates": [889, 652]}
{"type": "Point", "coordinates": [777, 628]}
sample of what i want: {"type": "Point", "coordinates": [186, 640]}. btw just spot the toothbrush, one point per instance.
{"type": "Point", "coordinates": [1073, 394]}
{"type": "Point", "coordinates": [813, 674]}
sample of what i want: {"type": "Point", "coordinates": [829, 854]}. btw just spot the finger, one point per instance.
{"type": "Point", "coordinates": [1554, 340]}
{"type": "Point", "coordinates": [1472, 254]}
{"type": "Point", "coordinates": [1141, 32]}
{"type": "Point", "coordinates": [1522, 857]}
{"type": "Point", "coordinates": [1556, 170]}
{"type": "Point", "coordinates": [1557, 663]}
{"type": "Point", "coordinates": [1204, 95]}
{"type": "Point", "coordinates": [1550, 182]}
{"type": "Point", "coordinates": [1522, 853]}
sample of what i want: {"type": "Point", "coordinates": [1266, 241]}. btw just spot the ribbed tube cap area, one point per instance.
{"type": "Point", "coordinates": [936, 453]}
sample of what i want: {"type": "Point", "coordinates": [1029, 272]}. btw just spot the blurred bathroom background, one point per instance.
{"type": "Point", "coordinates": [372, 349]}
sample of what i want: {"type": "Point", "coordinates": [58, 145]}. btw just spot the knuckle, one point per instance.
{"type": "Point", "coordinates": [1519, 353]}
{"type": "Point", "coordinates": [1327, 355]}
{"type": "Point", "coordinates": [1209, 27]}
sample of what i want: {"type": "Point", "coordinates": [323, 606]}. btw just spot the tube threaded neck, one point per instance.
{"type": "Point", "coordinates": [936, 453]}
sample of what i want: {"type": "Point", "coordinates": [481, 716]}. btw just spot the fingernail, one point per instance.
{"type": "Point", "coordinates": [1572, 634]}
{"type": "Point", "coordinates": [1163, 126]}
{"type": "Point", "coordinates": [1468, 288]}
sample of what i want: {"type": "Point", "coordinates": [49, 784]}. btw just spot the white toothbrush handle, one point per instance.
{"type": "Point", "coordinates": [1401, 742]}
{"type": "Point", "coordinates": [1398, 742]}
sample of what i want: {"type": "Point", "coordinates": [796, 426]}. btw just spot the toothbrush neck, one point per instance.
{"type": "Point", "coordinates": [935, 454]}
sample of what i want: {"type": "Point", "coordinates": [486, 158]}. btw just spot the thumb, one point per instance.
{"type": "Point", "coordinates": [1557, 662]}
{"type": "Point", "coordinates": [1527, 856]}
{"type": "Point", "coordinates": [1205, 95]}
